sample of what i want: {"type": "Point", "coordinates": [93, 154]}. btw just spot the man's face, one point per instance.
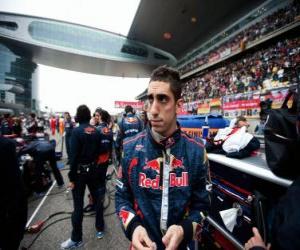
{"type": "Point", "coordinates": [162, 108]}
{"type": "Point", "coordinates": [242, 124]}
{"type": "Point", "coordinates": [97, 117]}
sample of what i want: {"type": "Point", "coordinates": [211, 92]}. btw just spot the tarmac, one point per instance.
{"type": "Point", "coordinates": [51, 236]}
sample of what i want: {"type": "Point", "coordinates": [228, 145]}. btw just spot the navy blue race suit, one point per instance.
{"type": "Point", "coordinates": [42, 151]}
{"type": "Point", "coordinates": [102, 165]}
{"type": "Point", "coordinates": [130, 126]}
{"type": "Point", "coordinates": [85, 149]}
{"type": "Point", "coordinates": [13, 209]}
{"type": "Point", "coordinates": [162, 184]}
{"type": "Point", "coordinates": [69, 125]}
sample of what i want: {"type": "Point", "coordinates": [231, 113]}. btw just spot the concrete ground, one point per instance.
{"type": "Point", "coordinates": [58, 201]}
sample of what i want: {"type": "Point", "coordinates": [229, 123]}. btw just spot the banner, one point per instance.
{"type": "Point", "coordinates": [235, 47]}
{"type": "Point", "coordinates": [225, 52]}
{"type": "Point", "coordinates": [215, 102]}
{"type": "Point", "coordinates": [203, 108]}
{"type": "Point", "coordinates": [214, 58]}
{"type": "Point", "coordinates": [123, 104]}
{"type": "Point", "coordinates": [246, 104]}
{"type": "Point", "coordinates": [243, 104]}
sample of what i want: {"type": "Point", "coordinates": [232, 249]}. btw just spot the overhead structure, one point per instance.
{"type": "Point", "coordinates": [80, 48]}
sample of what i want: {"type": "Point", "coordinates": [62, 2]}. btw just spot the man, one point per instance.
{"type": "Point", "coordinates": [32, 125]}
{"type": "Point", "coordinates": [285, 224]}
{"type": "Point", "coordinates": [161, 195]}
{"type": "Point", "coordinates": [84, 171]}
{"type": "Point", "coordinates": [69, 125]}
{"type": "Point", "coordinates": [42, 151]}
{"type": "Point", "coordinates": [130, 124]}
{"type": "Point", "coordinates": [13, 209]}
{"type": "Point", "coordinates": [6, 125]}
{"type": "Point", "coordinates": [241, 121]}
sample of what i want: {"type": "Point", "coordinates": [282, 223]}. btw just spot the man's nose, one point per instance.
{"type": "Point", "coordinates": [154, 108]}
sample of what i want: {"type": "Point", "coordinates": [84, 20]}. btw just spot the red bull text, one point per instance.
{"type": "Point", "coordinates": [175, 181]}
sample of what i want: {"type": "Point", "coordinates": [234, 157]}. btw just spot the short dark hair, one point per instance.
{"type": "Point", "coordinates": [240, 119]}
{"type": "Point", "coordinates": [83, 114]}
{"type": "Point", "coordinates": [105, 116]}
{"type": "Point", "coordinates": [168, 75]}
{"type": "Point", "coordinates": [128, 109]}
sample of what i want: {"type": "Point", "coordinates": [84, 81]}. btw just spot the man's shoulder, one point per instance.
{"type": "Point", "coordinates": [130, 142]}
{"type": "Point", "coordinates": [192, 141]}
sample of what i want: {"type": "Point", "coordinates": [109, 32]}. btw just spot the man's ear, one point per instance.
{"type": "Point", "coordinates": [179, 105]}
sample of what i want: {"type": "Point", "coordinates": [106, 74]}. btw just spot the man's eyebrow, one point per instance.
{"type": "Point", "coordinates": [159, 96]}
{"type": "Point", "coordinates": [162, 96]}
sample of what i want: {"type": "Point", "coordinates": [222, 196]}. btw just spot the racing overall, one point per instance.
{"type": "Point", "coordinates": [162, 184]}
{"type": "Point", "coordinates": [85, 148]}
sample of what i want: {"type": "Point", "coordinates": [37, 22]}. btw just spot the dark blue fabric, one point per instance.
{"type": "Point", "coordinates": [95, 180]}
{"type": "Point", "coordinates": [85, 147]}
{"type": "Point", "coordinates": [145, 202]}
{"type": "Point", "coordinates": [107, 137]}
{"type": "Point", "coordinates": [130, 126]}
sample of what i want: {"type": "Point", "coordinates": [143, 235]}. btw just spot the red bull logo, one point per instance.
{"type": "Point", "coordinates": [153, 164]}
{"type": "Point", "coordinates": [175, 163]}
{"type": "Point", "coordinates": [89, 130]}
{"type": "Point", "coordinates": [174, 181]}
{"type": "Point", "coordinates": [105, 130]}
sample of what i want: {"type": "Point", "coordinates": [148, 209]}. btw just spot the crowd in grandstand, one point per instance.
{"type": "Point", "coordinates": [268, 24]}
{"type": "Point", "coordinates": [262, 70]}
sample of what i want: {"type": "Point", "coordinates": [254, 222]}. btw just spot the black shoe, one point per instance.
{"type": "Point", "coordinates": [89, 208]}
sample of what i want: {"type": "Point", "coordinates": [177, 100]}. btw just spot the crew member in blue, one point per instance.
{"type": "Point", "coordinates": [130, 124]}
{"type": "Point", "coordinates": [69, 125]}
{"type": "Point", "coordinates": [102, 119]}
{"type": "Point", "coordinates": [41, 151]}
{"type": "Point", "coordinates": [6, 125]}
{"type": "Point", "coordinates": [161, 196]}
{"type": "Point", "coordinates": [13, 209]}
{"type": "Point", "coordinates": [84, 171]}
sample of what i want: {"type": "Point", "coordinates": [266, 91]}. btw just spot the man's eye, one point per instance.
{"type": "Point", "coordinates": [162, 98]}
{"type": "Point", "coordinates": [150, 100]}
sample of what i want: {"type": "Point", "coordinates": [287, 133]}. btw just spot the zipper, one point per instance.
{"type": "Point", "coordinates": [165, 169]}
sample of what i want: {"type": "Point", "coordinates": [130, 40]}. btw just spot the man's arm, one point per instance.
{"type": "Point", "coordinates": [199, 203]}
{"type": "Point", "coordinates": [75, 150]}
{"type": "Point", "coordinates": [124, 198]}
{"type": "Point", "coordinates": [28, 149]}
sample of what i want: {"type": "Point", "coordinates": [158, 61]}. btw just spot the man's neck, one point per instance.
{"type": "Point", "coordinates": [158, 137]}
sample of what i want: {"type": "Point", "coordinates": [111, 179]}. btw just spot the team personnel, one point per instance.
{"type": "Point", "coordinates": [130, 124]}
{"type": "Point", "coordinates": [69, 125]}
{"type": "Point", "coordinates": [42, 151]}
{"type": "Point", "coordinates": [6, 125]}
{"type": "Point", "coordinates": [13, 209]}
{"type": "Point", "coordinates": [102, 119]}
{"type": "Point", "coordinates": [32, 126]}
{"type": "Point", "coordinates": [161, 197]}
{"type": "Point", "coordinates": [85, 149]}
